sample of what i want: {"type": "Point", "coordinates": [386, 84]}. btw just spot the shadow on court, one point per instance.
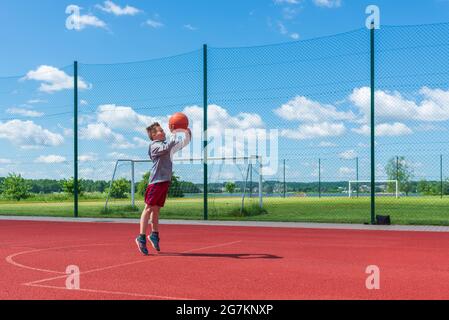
{"type": "Point", "coordinates": [223, 255]}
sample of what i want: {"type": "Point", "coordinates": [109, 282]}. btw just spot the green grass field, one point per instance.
{"type": "Point", "coordinates": [411, 211]}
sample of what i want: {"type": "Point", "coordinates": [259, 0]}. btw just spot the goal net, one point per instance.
{"type": "Point", "coordinates": [388, 188]}
{"type": "Point", "coordinates": [233, 184]}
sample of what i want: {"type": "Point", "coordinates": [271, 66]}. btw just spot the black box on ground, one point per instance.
{"type": "Point", "coordinates": [383, 220]}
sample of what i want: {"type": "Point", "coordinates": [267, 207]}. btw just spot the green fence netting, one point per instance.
{"type": "Point", "coordinates": [288, 131]}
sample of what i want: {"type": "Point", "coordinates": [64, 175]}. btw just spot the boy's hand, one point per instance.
{"type": "Point", "coordinates": [181, 130]}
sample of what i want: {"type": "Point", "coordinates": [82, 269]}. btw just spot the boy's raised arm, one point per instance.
{"type": "Point", "coordinates": [159, 149]}
{"type": "Point", "coordinates": [181, 144]}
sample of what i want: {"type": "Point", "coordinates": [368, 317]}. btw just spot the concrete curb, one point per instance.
{"type": "Point", "coordinates": [266, 224]}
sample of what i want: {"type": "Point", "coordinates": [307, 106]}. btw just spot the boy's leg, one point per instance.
{"type": "Point", "coordinates": [155, 218]}
{"type": "Point", "coordinates": [159, 201]}
{"type": "Point", "coordinates": [141, 238]}
{"type": "Point", "coordinates": [154, 237]}
{"type": "Point", "coordinates": [144, 219]}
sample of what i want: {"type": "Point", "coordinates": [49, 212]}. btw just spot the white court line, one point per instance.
{"type": "Point", "coordinates": [10, 258]}
{"type": "Point", "coordinates": [131, 263]}
{"type": "Point", "coordinates": [110, 292]}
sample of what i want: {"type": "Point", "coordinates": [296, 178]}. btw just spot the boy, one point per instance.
{"type": "Point", "coordinates": [161, 153]}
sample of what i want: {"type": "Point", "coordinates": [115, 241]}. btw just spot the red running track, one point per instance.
{"type": "Point", "coordinates": [216, 262]}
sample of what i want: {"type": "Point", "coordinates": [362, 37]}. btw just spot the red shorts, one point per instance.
{"type": "Point", "coordinates": [156, 193]}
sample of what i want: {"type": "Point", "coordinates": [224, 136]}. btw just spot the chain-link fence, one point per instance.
{"type": "Point", "coordinates": [288, 131]}
{"type": "Point", "coordinates": [412, 120]}
{"type": "Point", "coordinates": [36, 148]}
{"type": "Point", "coordinates": [114, 114]}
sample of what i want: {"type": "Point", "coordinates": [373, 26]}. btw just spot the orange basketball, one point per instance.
{"type": "Point", "coordinates": [178, 121]}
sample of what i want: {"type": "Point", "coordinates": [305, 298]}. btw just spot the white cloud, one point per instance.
{"type": "Point", "coordinates": [304, 109]}
{"type": "Point", "coordinates": [90, 20]}
{"type": "Point", "coordinates": [95, 131]}
{"type": "Point", "coordinates": [50, 159]}
{"type": "Point", "coordinates": [123, 117]}
{"type": "Point", "coordinates": [222, 125]}
{"type": "Point", "coordinates": [327, 3]}
{"type": "Point", "coordinates": [395, 129]}
{"type": "Point", "coordinates": [111, 117]}
{"type": "Point", "coordinates": [83, 102]}
{"type": "Point", "coordinates": [425, 127]}
{"type": "Point", "coordinates": [87, 173]}
{"type": "Point", "coordinates": [385, 129]}
{"type": "Point", "coordinates": [289, 13]}
{"type": "Point", "coordinates": [435, 106]}
{"type": "Point", "coordinates": [282, 28]}
{"type": "Point", "coordinates": [392, 105]}
{"type": "Point", "coordinates": [363, 145]}
{"type": "Point", "coordinates": [190, 27]}
{"type": "Point", "coordinates": [53, 79]}
{"type": "Point", "coordinates": [27, 134]}
{"type": "Point", "coordinates": [326, 144]}
{"type": "Point", "coordinates": [220, 119]}
{"type": "Point", "coordinates": [25, 112]}
{"type": "Point", "coordinates": [97, 171]}
{"type": "Point", "coordinates": [284, 31]}
{"type": "Point", "coordinates": [294, 36]}
{"type": "Point", "coordinates": [80, 22]}
{"type": "Point", "coordinates": [316, 171]}
{"type": "Point", "coordinates": [345, 171]}
{"type": "Point", "coordinates": [140, 143]}
{"type": "Point", "coordinates": [118, 155]}
{"type": "Point", "coordinates": [5, 161]}
{"type": "Point", "coordinates": [67, 132]}
{"type": "Point", "coordinates": [364, 130]}
{"type": "Point", "coordinates": [86, 118]}
{"type": "Point", "coordinates": [287, 1]}
{"type": "Point", "coordinates": [99, 131]}
{"type": "Point", "coordinates": [154, 24]}
{"type": "Point", "coordinates": [111, 7]}
{"type": "Point", "coordinates": [315, 130]}
{"type": "Point", "coordinates": [34, 101]}
{"type": "Point", "coordinates": [388, 105]}
{"type": "Point", "coordinates": [348, 155]}
{"type": "Point", "coordinates": [88, 157]}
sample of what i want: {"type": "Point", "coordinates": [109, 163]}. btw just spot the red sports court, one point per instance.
{"type": "Point", "coordinates": [202, 261]}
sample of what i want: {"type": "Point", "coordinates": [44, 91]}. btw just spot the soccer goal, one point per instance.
{"type": "Point", "coordinates": [383, 187]}
{"type": "Point", "coordinates": [244, 173]}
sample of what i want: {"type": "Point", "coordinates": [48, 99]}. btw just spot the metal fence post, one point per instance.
{"type": "Point", "coordinates": [441, 176]}
{"type": "Point", "coordinates": [319, 178]}
{"type": "Point", "coordinates": [75, 138]}
{"type": "Point", "coordinates": [397, 168]}
{"type": "Point", "coordinates": [133, 201]}
{"type": "Point", "coordinates": [110, 186]}
{"type": "Point", "coordinates": [260, 181]}
{"type": "Point", "coordinates": [373, 128]}
{"type": "Point", "coordinates": [357, 175]}
{"type": "Point", "coordinates": [250, 180]}
{"type": "Point", "coordinates": [205, 105]}
{"type": "Point", "coordinates": [285, 191]}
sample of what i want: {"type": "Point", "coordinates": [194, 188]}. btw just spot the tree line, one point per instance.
{"type": "Point", "coordinates": [14, 186]}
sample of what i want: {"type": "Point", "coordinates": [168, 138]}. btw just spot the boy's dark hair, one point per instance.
{"type": "Point", "coordinates": [152, 128]}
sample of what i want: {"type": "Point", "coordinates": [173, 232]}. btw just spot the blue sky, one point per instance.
{"type": "Point", "coordinates": [317, 102]}
{"type": "Point", "coordinates": [34, 32]}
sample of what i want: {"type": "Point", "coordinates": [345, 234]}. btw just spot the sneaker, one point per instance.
{"type": "Point", "coordinates": [142, 245]}
{"type": "Point", "coordinates": [154, 240]}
